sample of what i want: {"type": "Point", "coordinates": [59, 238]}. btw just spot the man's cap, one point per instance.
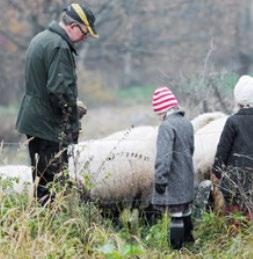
{"type": "Point", "coordinates": [84, 15]}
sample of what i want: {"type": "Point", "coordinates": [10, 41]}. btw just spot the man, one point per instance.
{"type": "Point", "coordinates": [48, 114]}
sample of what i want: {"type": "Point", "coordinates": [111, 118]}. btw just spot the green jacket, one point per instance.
{"type": "Point", "coordinates": [48, 109]}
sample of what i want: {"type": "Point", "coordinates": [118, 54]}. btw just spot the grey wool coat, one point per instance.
{"type": "Point", "coordinates": [174, 164]}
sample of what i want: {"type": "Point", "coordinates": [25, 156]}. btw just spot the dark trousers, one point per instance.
{"type": "Point", "coordinates": [48, 159]}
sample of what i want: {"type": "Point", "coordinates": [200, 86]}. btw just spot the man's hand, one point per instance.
{"type": "Point", "coordinates": [82, 109]}
{"type": "Point", "coordinates": [160, 188]}
{"type": "Point", "coordinates": [74, 136]}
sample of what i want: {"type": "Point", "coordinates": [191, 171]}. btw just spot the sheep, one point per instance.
{"type": "Point", "coordinates": [206, 141]}
{"type": "Point", "coordinates": [20, 177]}
{"type": "Point", "coordinates": [203, 119]}
{"type": "Point", "coordinates": [119, 167]}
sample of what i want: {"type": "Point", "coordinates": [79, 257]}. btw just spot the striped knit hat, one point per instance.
{"type": "Point", "coordinates": [163, 100]}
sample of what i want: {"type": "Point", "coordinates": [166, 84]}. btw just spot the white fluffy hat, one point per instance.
{"type": "Point", "coordinates": [243, 91]}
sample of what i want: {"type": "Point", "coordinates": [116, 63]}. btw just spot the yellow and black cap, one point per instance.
{"type": "Point", "coordinates": [84, 15]}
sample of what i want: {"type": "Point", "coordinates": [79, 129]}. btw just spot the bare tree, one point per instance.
{"type": "Point", "coordinates": [139, 41]}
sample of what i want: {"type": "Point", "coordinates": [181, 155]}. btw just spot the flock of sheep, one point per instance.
{"type": "Point", "coordinates": [120, 167]}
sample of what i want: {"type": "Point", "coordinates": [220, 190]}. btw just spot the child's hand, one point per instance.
{"type": "Point", "coordinates": [160, 188]}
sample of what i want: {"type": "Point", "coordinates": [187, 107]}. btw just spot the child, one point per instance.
{"type": "Point", "coordinates": [174, 176]}
{"type": "Point", "coordinates": [234, 157]}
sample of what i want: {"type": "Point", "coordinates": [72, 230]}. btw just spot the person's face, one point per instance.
{"type": "Point", "coordinates": [78, 32]}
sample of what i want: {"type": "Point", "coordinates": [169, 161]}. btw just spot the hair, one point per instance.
{"type": "Point", "coordinates": [175, 108]}
{"type": "Point", "coordinates": [172, 109]}
{"type": "Point", "coordinates": [67, 20]}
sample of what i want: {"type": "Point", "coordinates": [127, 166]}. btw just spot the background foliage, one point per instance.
{"type": "Point", "coordinates": [197, 48]}
{"type": "Point", "coordinates": [141, 43]}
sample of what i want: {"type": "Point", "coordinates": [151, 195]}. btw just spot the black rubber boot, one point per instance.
{"type": "Point", "coordinates": [176, 233]}
{"type": "Point", "coordinates": [188, 227]}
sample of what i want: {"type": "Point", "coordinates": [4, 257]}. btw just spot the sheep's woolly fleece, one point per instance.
{"type": "Point", "coordinates": [203, 119]}
{"type": "Point", "coordinates": [20, 176]}
{"type": "Point", "coordinates": [118, 167]}
{"type": "Point", "coordinates": [206, 142]}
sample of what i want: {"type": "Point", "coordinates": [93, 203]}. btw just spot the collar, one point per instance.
{"type": "Point", "coordinates": [178, 112]}
{"type": "Point", "coordinates": [245, 111]}
{"type": "Point", "coordinates": [56, 28]}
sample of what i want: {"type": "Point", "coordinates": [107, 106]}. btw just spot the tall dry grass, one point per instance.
{"type": "Point", "coordinates": [69, 228]}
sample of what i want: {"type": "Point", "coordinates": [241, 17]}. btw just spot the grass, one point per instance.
{"type": "Point", "coordinates": [71, 229]}
{"type": "Point", "coordinates": [191, 92]}
{"type": "Point", "coordinates": [135, 94]}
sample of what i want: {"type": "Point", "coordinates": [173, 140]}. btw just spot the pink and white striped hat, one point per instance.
{"type": "Point", "coordinates": [163, 100]}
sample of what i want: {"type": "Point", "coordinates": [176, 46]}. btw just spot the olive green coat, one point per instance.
{"type": "Point", "coordinates": [48, 109]}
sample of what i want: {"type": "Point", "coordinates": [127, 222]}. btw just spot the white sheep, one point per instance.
{"type": "Point", "coordinates": [206, 140]}
{"type": "Point", "coordinates": [203, 119]}
{"type": "Point", "coordinates": [20, 177]}
{"type": "Point", "coordinates": [119, 167]}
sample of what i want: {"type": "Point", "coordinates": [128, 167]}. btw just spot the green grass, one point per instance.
{"type": "Point", "coordinates": [184, 87]}
{"type": "Point", "coordinates": [135, 94]}
{"type": "Point", "coordinates": [71, 229]}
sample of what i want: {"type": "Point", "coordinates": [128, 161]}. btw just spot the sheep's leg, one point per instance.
{"type": "Point", "coordinates": [217, 196]}
{"type": "Point", "coordinates": [201, 198]}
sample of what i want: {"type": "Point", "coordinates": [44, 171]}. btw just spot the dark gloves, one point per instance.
{"type": "Point", "coordinates": [71, 137]}
{"type": "Point", "coordinates": [75, 135]}
{"type": "Point", "coordinates": [160, 188]}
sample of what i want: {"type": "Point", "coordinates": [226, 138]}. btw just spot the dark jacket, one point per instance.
{"type": "Point", "coordinates": [48, 109]}
{"type": "Point", "coordinates": [174, 164]}
{"type": "Point", "coordinates": [235, 147]}
{"type": "Point", "coordinates": [234, 156]}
